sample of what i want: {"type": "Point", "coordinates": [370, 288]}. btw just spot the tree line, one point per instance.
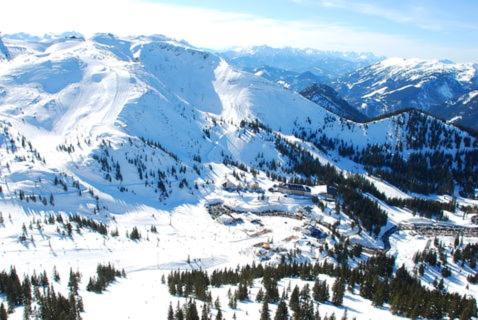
{"type": "Point", "coordinates": [373, 280]}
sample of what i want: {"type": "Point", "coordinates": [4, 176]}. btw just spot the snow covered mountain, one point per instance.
{"type": "Point", "coordinates": [328, 98]}
{"type": "Point", "coordinates": [79, 93]}
{"type": "Point", "coordinates": [156, 156]}
{"type": "Point", "coordinates": [288, 79]}
{"type": "Point", "coordinates": [463, 111]}
{"type": "Point", "coordinates": [438, 87]}
{"type": "Point", "coordinates": [325, 64]}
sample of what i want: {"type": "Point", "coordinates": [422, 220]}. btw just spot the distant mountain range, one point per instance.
{"type": "Point", "coordinates": [370, 84]}
{"type": "Point", "coordinates": [442, 88]}
{"type": "Point", "coordinates": [293, 80]}
{"type": "Point", "coordinates": [328, 65]}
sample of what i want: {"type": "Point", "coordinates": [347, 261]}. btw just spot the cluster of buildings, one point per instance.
{"type": "Point", "coordinates": [438, 228]}
{"type": "Point", "coordinates": [302, 190]}
{"type": "Point", "coordinates": [286, 188]}
{"type": "Point", "coordinates": [291, 188]}
{"type": "Point", "coordinates": [243, 187]}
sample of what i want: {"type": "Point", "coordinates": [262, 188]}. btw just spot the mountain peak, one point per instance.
{"type": "Point", "coordinates": [424, 65]}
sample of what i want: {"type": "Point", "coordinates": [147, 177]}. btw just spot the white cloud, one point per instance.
{"type": "Point", "coordinates": [201, 27]}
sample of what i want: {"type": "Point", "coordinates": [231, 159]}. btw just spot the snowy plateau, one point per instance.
{"type": "Point", "coordinates": [129, 166]}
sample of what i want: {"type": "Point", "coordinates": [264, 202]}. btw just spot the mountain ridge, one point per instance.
{"type": "Point", "coordinates": [327, 64]}
{"type": "Point", "coordinates": [396, 83]}
{"type": "Point", "coordinates": [186, 88]}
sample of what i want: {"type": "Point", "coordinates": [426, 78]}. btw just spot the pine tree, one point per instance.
{"type": "Point", "coordinates": [305, 293]}
{"type": "Point", "coordinates": [204, 312]}
{"type": "Point", "coordinates": [320, 291]}
{"type": "Point", "coordinates": [265, 314]}
{"type": "Point", "coordinates": [27, 298]}
{"type": "Point", "coordinates": [338, 290]}
{"type": "Point", "coordinates": [56, 275]}
{"type": "Point", "coordinates": [217, 304]}
{"type": "Point", "coordinates": [76, 303]}
{"type": "Point", "coordinates": [294, 299]}
{"type": "Point", "coordinates": [135, 235]}
{"type": "Point", "coordinates": [317, 314]}
{"type": "Point", "coordinates": [379, 295]}
{"type": "Point", "coordinates": [270, 284]}
{"type": "Point", "coordinates": [242, 292]}
{"type": "Point", "coordinates": [232, 299]}
{"type": "Point", "coordinates": [282, 312]}
{"type": "Point", "coordinates": [219, 314]}
{"type": "Point", "coordinates": [3, 312]}
{"type": "Point", "coordinates": [178, 315]}
{"type": "Point", "coordinates": [192, 312]}
{"type": "Point", "coordinates": [170, 312]}
{"type": "Point", "coordinates": [260, 296]}
{"type": "Point", "coordinates": [306, 311]}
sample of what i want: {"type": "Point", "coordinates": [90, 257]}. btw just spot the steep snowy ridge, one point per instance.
{"type": "Point", "coordinates": [327, 97]}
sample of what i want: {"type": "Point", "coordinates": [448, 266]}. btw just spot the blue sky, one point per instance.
{"type": "Point", "coordinates": [420, 28]}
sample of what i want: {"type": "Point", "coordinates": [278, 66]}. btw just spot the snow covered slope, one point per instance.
{"type": "Point", "coordinates": [434, 86]}
{"type": "Point", "coordinates": [288, 79]}
{"type": "Point", "coordinates": [328, 98]}
{"type": "Point", "coordinates": [150, 133]}
{"type": "Point", "coordinates": [463, 111]}
{"type": "Point", "coordinates": [91, 106]}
